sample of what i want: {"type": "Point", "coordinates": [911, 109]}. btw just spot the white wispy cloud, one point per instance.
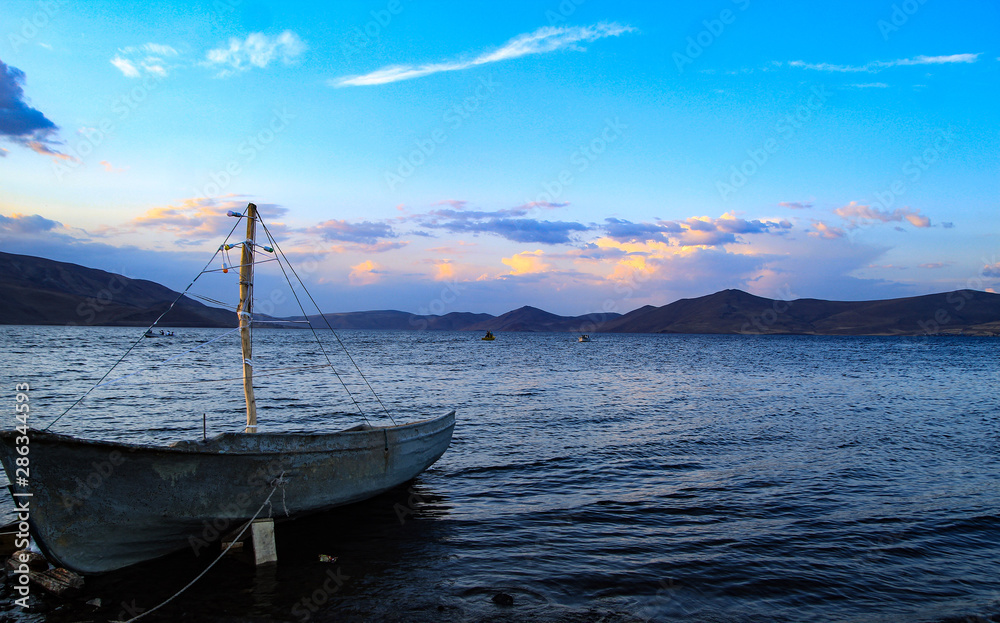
{"type": "Point", "coordinates": [257, 50]}
{"type": "Point", "coordinates": [876, 66]}
{"type": "Point", "coordinates": [151, 58]}
{"type": "Point", "coordinates": [547, 39]}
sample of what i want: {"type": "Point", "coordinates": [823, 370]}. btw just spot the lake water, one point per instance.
{"type": "Point", "coordinates": [632, 478]}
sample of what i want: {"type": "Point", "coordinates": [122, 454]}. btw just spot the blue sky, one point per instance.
{"type": "Point", "coordinates": [576, 156]}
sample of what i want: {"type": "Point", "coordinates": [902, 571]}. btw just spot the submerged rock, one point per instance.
{"type": "Point", "coordinates": [503, 599]}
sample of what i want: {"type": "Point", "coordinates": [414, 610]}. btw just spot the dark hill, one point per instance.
{"type": "Point", "coordinates": [735, 311]}
{"type": "Point", "coordinates": [34, 290]}
{"type": "Point", "coordinates": [533, 319]}
{"type": "Point", "coordinates": [401, 321]}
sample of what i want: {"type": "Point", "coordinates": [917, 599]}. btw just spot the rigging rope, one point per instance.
{"type": "Point", "coordinates": [141, 337]}
{"type": "Point", "coordinates": [225, 253]}
{"type": "Point", "coordinates": [230, 267]}
{"type": "Point", "coordinates": [274, 243]}
{"type": "Point", "coordinates": [269, 372]}
{"type": "Point", "coordinates": [305, 315]}
{"type": "Point", "coordinates": [208, 299]}
{"type": "Point", "coordinates": [121, 378]}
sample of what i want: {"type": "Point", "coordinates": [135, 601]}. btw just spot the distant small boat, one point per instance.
{"type": "Point", "coordinates": [584, 338]}
{"type": "Point", "coordinates": [148, 334]}
{"type": "Point", "coordinates": [489, 337]}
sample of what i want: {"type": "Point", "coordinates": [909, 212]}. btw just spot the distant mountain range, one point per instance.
{"type": "Point", "coordinates": [34, 290]}
{"type": "Point", "coordinates": [968, 312]}
{"type": "Point", "coordinates": [40, 291]}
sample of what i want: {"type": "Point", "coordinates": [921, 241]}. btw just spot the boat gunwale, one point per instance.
{"type": "Point", "coordinates": [206, 447]}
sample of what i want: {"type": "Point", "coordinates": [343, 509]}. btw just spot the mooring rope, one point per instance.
{"type": "Point", "coordinates": [280, 482]}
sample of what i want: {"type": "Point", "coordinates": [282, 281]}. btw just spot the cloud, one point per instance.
{"type": "Point", "coordinates": [730, 223]}
{"type": "Point", "coordinates": [991, 270]}
{"type": "Point", "coordinates": [150, 58]}
{"type": "Point", "coordinates": [110, 168]}
{"type": "Point", "coordinates": [526, 263]}
{"type": "Point", "coordinates": [365, 232]}
{"type": "Point", "coordinates": [19, 122]}
{"type": "Point", "coordinates": [364, 274]}
{"type": "Point", "coordinates": [257, 50]}
{"type": "Point", "coordinates": [546, 205]}
{"type": "Point", "coordinates": [517, 230]}
{"type": "Point", "coordinates": [876, 66]}
{"type": "Point", "coordinates": [822, 230]}
{"type": "Point", "coordinates": [795, 205]}
{"type": "Point", "coordinates": [24, 224]}
{"type": "Point", "coordinates": [625, 231]}
{"type": "Point", "coordinates": [857, 214]}
{"type": "Point", "coordinates": [933, 265]}
{"type": "Point", "coordinates": [200, 218]}
{"type": "Point", "coordinates": [379, 247]}
{"type": "Point", "coordinates": [444, 270]}
{"type": "Point", "coordinates": [44, 148]}
{"type": "Point", "coordinates": [125, 66]}
{"type": "Point", "coordinates": [507, 222]}
{"type": "Point", "coordinates": [693, 231]}
{"type": "Point", "coordinates": [547, 39]}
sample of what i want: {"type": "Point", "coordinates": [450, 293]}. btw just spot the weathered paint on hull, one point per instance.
{"type": "Point", "coordinates": [98, 506]}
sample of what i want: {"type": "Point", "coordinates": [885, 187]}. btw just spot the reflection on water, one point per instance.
{"type": "Point", "coordinates": [632, 478]}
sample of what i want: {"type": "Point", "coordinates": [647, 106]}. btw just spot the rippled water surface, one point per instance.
{"type": "Point", "coordinates": [632, 478]}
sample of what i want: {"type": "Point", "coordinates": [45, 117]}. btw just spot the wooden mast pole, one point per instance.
{"type": "Point", "coordinates": [244, 310]}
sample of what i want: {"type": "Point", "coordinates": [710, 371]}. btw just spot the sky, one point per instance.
{"type": "Point", "coordinates": [578, 156]}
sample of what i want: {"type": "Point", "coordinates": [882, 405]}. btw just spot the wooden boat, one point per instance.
{"type": "Point", "coordinates": [96, 506]}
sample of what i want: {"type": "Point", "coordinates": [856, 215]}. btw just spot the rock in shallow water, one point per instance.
{"type": "Point", "coordinates": [503, 599]}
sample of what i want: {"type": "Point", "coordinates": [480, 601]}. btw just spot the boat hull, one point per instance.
{"type": "Point", "coordinates": [97, 506]}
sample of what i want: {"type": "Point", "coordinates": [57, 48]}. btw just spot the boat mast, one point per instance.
{"type": "Point", "coordinates": [244, 309]}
